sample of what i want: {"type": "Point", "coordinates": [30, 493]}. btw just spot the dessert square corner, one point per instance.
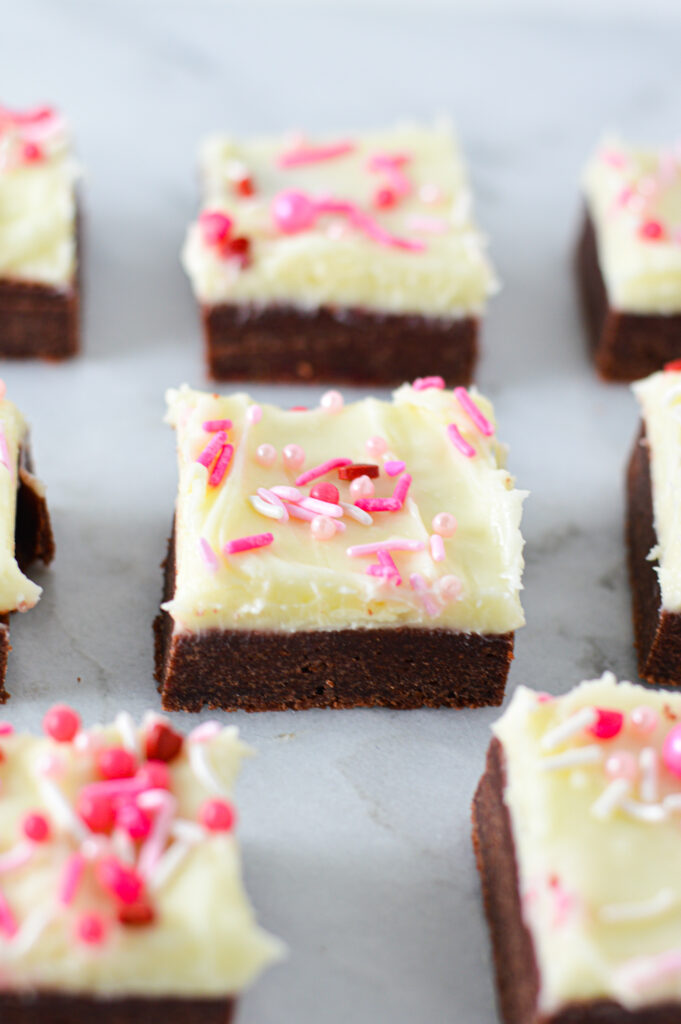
{"type": "Point", "coordinates": [349, 259]}
{"type": "Point", "coordinates": [343, 555]}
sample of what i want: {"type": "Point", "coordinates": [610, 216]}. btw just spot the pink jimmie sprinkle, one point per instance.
{"type": "Point", "coordinates": [314, 154]}
{"type": "Point", "coordinates": [210, 426]}
{"type": "Point", "coordinates": [251, 543]}
{"type": "Point", "coordinates": [472, 411]}
{"type": "Point", "coordinates": [287, 493]}
{"type": "Point", "coordinates": [208, 555]}
{"type": "Point", "coordinates": [296, 211]}
{"type": "Point", "coordinates": [321, 470]}
{"type": "Point", "coordinates": [8, 924]}
{"type": "Point", "coordinates": [613, 157]}
{"type": "Point", "coordinates": [379, 504]}
{"type": "Point", "coordinates": [418, 584]}
{"type": "Point", "coordinates": [402, 488]}
{"type": "Point", "coordinates": [388, 565]}
{"type": "Point", "coordinates": [321, 508]}
{"type": "Point", "coordinates": [220, 468]}
{"type": "Point", "coordinates": [16, 857]}
{"type": "Point", "coordinates": [212, 448]}
{"type": "Point", "coordinates": [273, 498]}
{"type": "Point", "coordinates": [454, 435]}
{"type": "Point", "coordinates": [254, 414]}
{"type": "Point", "coordinates": [428, 225]}
{"type": "Point", "coordinates": [437, 547]}
{"type": "Point", "coordinates": [424, 383]}
{"type": "Point", "coordinates": [392, 544]}
{"type": "Point", "coordinates": [6, 728]}
{"type": "Point", "coordinates": [4, 452]}
{"type": "Point", "coordinates": [394, 467]}
{"type": "Point", "coordinates": [297, 512]}
{"type": "Point", "coordinates": [70, 879]}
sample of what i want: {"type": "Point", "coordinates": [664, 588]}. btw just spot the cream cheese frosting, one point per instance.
{"type": "Point", "coordinates": [66, 931]}
{"type": "Point", "coordinates": [659, 398]}
{"type": "Point", "coordinates": [593, 789]}
{"type": "Point", "coordinates": [37, 199]}
{"type": "Point", "coordinates": [17, 591]}
{"type": "Point", "coordinates": [470, 581]}
{"type": "Point", "coordinates": [633, 196]}
{"type": "Point", "coordinates": [332, 262]}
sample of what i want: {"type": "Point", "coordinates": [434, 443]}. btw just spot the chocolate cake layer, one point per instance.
{"type": "Point", "coordinates": [517, 975]}
{"type": "Point", "coordinates": [625, 346]}
{"type": "Point", "coordinates": [282, 343]}
{"type": "Point", "coordinates": [37, 321]}
{"type": "Point", "coordinates": [274, 671]}
{"type": "Point", "coordinates": [55, 1008]}
{"type": "Point", "coordinates": [657, 632]}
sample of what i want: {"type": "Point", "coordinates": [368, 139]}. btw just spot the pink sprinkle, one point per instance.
{"type": "Point", "coordinates": [16, 857]}
{"type": "Point", "coordinates": [392, 544]}
{"type": "Point", "coordinates": [296, 512]}
{"type": "Point", "coordinates": [165, 805]}
{"type": "Point", "coordinates": [644, 719]}
{"type": "Point", "coordinates": [652, 231]}
{"type": "Point", "coordinates": [273, 498]}
{"type": "Point", "coordinates": [209, 557]}
{"type": "Point", "coordinates": [205, 732]}
{"type": "Point", "coordinates": [91, 929]}
{"type": "Point", "coordinates": [212, 448]}
{"type": "Point", "coordinates": [8, 924]}
{"type": "Point", "coordinates": [287, 493]}
{"type": "Point", "coordinates": [402, 488]}
{"type": "Point", "coordinates": [215, 227]}
{"type": "Point", "coordinates": [437, 547]}
{"type": "Point", "coordinates": [428, 225]}
{"type": "Point", "coordinates": [61, 723]}
{"type": "Point", "coordinates": [4, 452]}
{"type": "Point", "coordinates": [459, 442]}
{"type": "Point", "coordinates": [424, 383]}
{"type": "Point", "coordinates": [321, 470]}
{"type": "Point", "coordinates": [394, 467]}
{"type": "Point", "coordinates": [70, 878]}
{"type": "Point", "coordinates": [671, 750]}
{"type": "Point", "coordinates": [254, 414]}
{"type": "Point", "coordinates": [321, 508]}
{"type": "Point", "coordinates": [314, 154]}
{"type": "Point", "coordinates": [120, 880]}
{"type": "Point", "coordinates": [6, 728]}
{"type": "Point", "coordinates": [379, 504]}
{"type": "Point", "coordinates": [472, 411]}
{"type": "Point", "coordinates": [388, 562]}
{"type": "Point", "coordinates": [608, 723]}
{"type": "Point", "coordinates": [418, 584]}
{"type": "Point", "coordinates": [255, 540]}
{"type": "Point", "coordinates": [613, 157]}
{"type": "Point", "coordinates": [220, 468]}
{"type": "Point", "coordinates": [210, 426]}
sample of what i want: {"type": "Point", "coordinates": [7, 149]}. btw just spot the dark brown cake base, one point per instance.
{"type": "Point", "coordinates": [625, 346]}
{"type": "Point", "coordinates": [282, 343]}
{"type": "Point", "coordinates": [515, 964]}
{"type": "Point", "coordinates": [33, 541]}
{"type": "Point", "coordinates": [37, 321]}
{"type": "Point", "coordinates": [657, 633]}
{"type": "Point", "coordinates": [53, 1008]}
{"type": "Point", "coordinates": [345, 668]}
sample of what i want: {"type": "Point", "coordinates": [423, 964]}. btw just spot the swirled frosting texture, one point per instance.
{"type": "Point", "coordinates": [634, 198]}
{"type": "Point", "coordinates": [298, 582]}
{"type": "Point", "coordinates": [16, 590]}
{"type": "Point", "coordinates": [37, 199]}
{"type": "Point", "coordinates": [331, 263]}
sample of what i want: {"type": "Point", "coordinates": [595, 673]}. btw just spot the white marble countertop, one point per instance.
{"type": "Point", "coordinates": [355, 824]}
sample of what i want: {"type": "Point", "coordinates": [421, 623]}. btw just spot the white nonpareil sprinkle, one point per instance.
{"type": "Point", "coordinates": [359, 514]}
{"type": "Point", "coordinates": [32, 928]}
{"type": "Point", "coordinates": [61, 810]}
{"type": "Point", "coordinates": [127, 730]}
{"type": "Point", "coordinates": [266, 508]}
{"type": "Point", "coordinates": [660, 903]}
{"type": "Point", "coordinates": [576, 723]}
{"type": "Point", "coordinates": [591, 754]}
{"type": "Point", "coordinates": [168, 864]}
{"type": "Point", "coordinates": [650, 813]}
{"type": "Point", "coordinates": [198, 758]}
{"type": "Point", "coordinates": [648, 764]}
{"type": "Point", "coordinates": [611, 798]}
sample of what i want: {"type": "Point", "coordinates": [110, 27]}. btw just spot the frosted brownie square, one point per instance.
{"type": "Point", "coordinates": [352, 258]}
{"type": "Point", "coordinates": [576, 827]}
{"type": "Point", "coordinates": [39, 259]}
{"type": "Point", "coordinates": [122, 899]}
{"type": "Point", "coordinates": [361, 554]}
{"type": "Point", "coordinates": [629, 258]}
{"type": "Point", "coordinates": [25, 529]}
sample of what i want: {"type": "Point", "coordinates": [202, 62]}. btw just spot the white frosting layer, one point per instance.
{"type": "Point", "coordinates": [37, 203]}
{"type": "Point", "coordinates": [16, 590]}
{"type": "Point", "coordinates": [628, 189]}
{"type": "Point", "coordinates": [599, 878]}
{"type": "Point", "coordinates": [659, 397]}
{"type": "Point", "coordinates": [203, 941]}
{"type": "Point", "coordinates": [331, 263]}
{"type": "Point", "coordinates": [301, 583]}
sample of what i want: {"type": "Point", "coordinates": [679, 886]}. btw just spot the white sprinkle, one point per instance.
{"type": "Point", "coordinates": [359, 514]}
{"type": "Point", "coordinates": [123, 846]}
{"type": "Point", "coordinates": [660, 903]}
{"type": "Point", "coordinates": [33, 926]}
{"type": "Point", "coordinates": [611, 797]}
{"type": "Point", "coordinates": [187, 831]}
{"type": "Point", "coordinates": [198, 758]}
{"type": "Point", "coordinates": [168, 864]}
{"type": "Point", "coordinates": [254, 414]}
{"type": "Point", "coordinates": [576, 723]}
{"type": "Point", "coordinates": [672, 802]}
{"type": "Point", "coordinates": [571, 758]}
{"type": "Point", "coordinates": [61, 809]}
{"type": "Point", "coordinates": [206, 731]}
{"type": "Point", "coordinates": [650, 813]}
{"type": "Point", "coordinates": [125, 724]}
{"type": "Point", "coordinates": [266, 508]}
{"type": "Point", "coordinates": [648, 764]}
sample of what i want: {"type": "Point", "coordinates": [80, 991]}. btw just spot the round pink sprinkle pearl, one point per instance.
{"type": "Point", "coordinates": [643, 720]}
{"type": "Point", "coordinates": [36, 827]}
{"type": "Point", "coordinates": [331, 401]}
{"type": "Point", "coordinates": [293, 211]}
{"type": "Point", "coordinates": [91, 929]}
{"type": "Point", "coordinates": [671, 750]}
{"type": "Point", "coordinates": [217, 816]}
{"type": "Point", "coordinates": [362, 487]}
{"type": "Point", "coordinates": [61, 723]}
{"type": "Point", "coordinates": [133, 820]}
{"type": "Point", "coordinates": [266, 454]}
{"type": "Point", "coordinates": [608, 723]}
{"type": "Point", "coordinates": [294, 456]}
{"type": "Point", "coordinates": [322, 528]}
{"type": "Point", "coordinates": [376, 445]}
{"type": "Point", "coordinates": [621, 766]}
{"type": "Point", "coordinates": [325, 491]}
{"type": "Point", "coordinates": [444, 523]}
{"type": "Point", "coordinates": [450, 588]}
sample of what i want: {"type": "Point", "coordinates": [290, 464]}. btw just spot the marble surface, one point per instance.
{"type": "Point", "coordinates": [355, 824]}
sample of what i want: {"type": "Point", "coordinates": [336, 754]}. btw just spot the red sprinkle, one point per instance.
{"type": "Point", "coordinates": [96, 810]}
{"type": "Point", "coordinates": [61, 723]}
{"type": "Point", "coordinates": [325, 492]}
{"type": "Point", "coordinates": [37, 828]}
{"type": "Point", "coordinates": [299, 408]}
{"type": "Point", "coordinates": [32, 153]}
{"type": "Point", "coordinates": [652, 230]}
{"type": "Point", "coordinates": [608, 724]}
{"type": "Point", "coordinates": [674, 366]}
{"type": "Point", "coordinates": [133, 820]}
{"type": "Point", "coordinates": [162, 743]}
{"type": "Point", "coordinates": [116, 763]}
{"type": "Point", "coordinates": [139, 913]}
{"type": "Point", "coordinates": [240, 248]}
{"type": "Point", "coordinates": [217, 816]}
{"type": "Point", "coordinates": [245, 186]}
{"type": "Point", "coordinates": [120, 880]}
{"type": "Point", "coordinates": [384, 198]}
{"type": "Point", "coordinates": [154, 775]}
{"type": "Point", "coordinates": [356, 469]}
